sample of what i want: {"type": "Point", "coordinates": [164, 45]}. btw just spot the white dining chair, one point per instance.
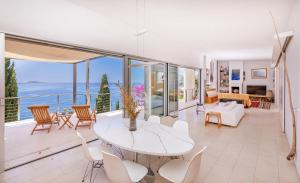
{"type": "Point", "coordinates": [154, 119]}
{"type": "Point", "coordinates": [181, 126]}
{"type": "Point", "coordinates": [122, 171]}
{"type": "Point", "coordinates": [182, 171]}
{"type": "Point", "coordinates": [93, 155]}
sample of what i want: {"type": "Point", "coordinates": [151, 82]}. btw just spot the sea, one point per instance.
{"type": "Point", "coordinates": [37, 93]}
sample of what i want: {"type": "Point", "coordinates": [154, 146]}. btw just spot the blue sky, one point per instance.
{"type": "Point", "coordinates": [55, 73]}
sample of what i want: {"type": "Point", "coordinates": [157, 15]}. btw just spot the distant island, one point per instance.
{"type": "Point", "coordinates": [30, 82]}
{"type": "Point", "coordinates": [35, 82]}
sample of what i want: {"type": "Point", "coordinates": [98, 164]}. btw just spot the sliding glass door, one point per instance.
{"type": "Point", "coordinates": [172, 90]}
{"type": "Point", "coordinates": [157, 89]}
{"type": "Point", "coordinates": [139, 84]}
{"type": "Point", "coordinates": [147, 82]}
{"type": "Point", "coordinates": [164, 89]}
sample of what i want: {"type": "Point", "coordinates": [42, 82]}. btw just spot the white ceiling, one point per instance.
{"type": "Point", "coordinates": [178, 31]}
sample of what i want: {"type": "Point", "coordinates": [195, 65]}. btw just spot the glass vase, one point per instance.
{"type": "Point", "coordinates": [132, 125]}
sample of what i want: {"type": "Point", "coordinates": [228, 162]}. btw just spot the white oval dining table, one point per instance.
{"type": "Point", "coordinates": [149, 138]}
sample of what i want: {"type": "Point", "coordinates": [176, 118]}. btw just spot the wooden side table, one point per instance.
{"type": "Point", "coordinates": [217, 114]}
{"type": "Point", "coordinates": [65, 117]}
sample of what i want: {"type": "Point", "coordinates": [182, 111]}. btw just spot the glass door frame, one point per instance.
{"type": "Point", "coordinates": [128, 79]}
{"type": "Point", "coordinates": [165, 86]}
{"type": "Point", "coordinates": [176, 110]}
{"type": "Point", "coordinates": [199, 85]}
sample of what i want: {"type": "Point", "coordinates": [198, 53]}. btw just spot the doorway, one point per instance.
{"type": "Point", "coordinates": [147, 83]}
{"type": "Point", "coordinates": [172, 90]}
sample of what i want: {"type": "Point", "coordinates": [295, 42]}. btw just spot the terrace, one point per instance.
{"type": "Point", "coordinates": [24, 148]}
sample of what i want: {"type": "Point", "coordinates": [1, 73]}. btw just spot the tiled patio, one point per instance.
{"type": "Point", "coordinates": [255, 151]}
{"type": "Point", "coordinates": [21, 147]}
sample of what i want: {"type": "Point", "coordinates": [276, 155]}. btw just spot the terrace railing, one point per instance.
{"type": "Point", "coordinates": [16, 107]}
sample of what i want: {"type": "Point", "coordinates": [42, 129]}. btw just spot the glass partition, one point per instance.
{"type": "Point", "coordinates": [157, 89]}
{"type": "Point", "coordinates": [188, 87]}
{"type": "Point", "coordinates": [105, 73]}
{"type": "Point", "coordinates": [138, 83]}
{"type": "Point", "coordinates": [147, 82]}
{"type": "Point", "coordinates": [172, 90]}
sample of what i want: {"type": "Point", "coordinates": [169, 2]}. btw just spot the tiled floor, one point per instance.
{"type": "Point", "coordinates": [255, 151]}
{"type": "Point", "coordinates": [182, 104]}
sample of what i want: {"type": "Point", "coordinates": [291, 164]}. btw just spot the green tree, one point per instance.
{"type": "Point", "coordinates": [103, 98]}
{"type": "Point", "coordinates": [117, 105]}
{"type": "Point", "coordinates": [11, 90]}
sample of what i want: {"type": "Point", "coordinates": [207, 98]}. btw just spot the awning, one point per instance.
{"type": "Point", "coordinates": [25, 50]}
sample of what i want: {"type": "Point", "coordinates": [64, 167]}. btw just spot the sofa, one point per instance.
{"type": "Point", "coordinates": [231, 113]}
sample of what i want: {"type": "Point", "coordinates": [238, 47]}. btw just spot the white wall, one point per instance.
{"type": "Point", "coordinates": [248, 65]}
{"type": "Point", "coordinates": [2, 95]}
{"type": "Point", "coordinates": [293, 61]}
{"type": "Point", "coordinates": [189, 79]}
{"type": "Point", "coordinates": [189, 83]}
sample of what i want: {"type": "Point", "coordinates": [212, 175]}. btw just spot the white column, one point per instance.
{"type": "Point", "coordinates": [2, 102]}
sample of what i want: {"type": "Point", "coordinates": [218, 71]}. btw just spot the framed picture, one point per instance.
{"type": "Point", "coordinates": [259, 73]}
{"type": "Point", "coordinates": [235, 74]}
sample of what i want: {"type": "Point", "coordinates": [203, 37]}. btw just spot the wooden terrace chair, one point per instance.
{"type": "Point", "coordinates": [85, 118]}
{"type": "Point", "coordinates": [42, 117]}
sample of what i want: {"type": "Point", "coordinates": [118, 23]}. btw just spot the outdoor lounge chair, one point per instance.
{"type": "Point", "coordinates": [42, 117]}
{"type": "Point", "coordinates": [85, 118]}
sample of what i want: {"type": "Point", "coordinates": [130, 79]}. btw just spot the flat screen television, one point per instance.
{"type": "Point", "coordinates": [257, 89]}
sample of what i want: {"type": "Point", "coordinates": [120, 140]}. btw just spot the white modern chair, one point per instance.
{"type": "Point", "coordinates": [182, 171]}
{"type": "Point", "coordinates": [93, 155]}
{"type": "Point", "coordinates": [125, 171]}
{"type": "Point", "coordinates": [181, 126]}
{"type": "Point", "coordinates": [154, 119]}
